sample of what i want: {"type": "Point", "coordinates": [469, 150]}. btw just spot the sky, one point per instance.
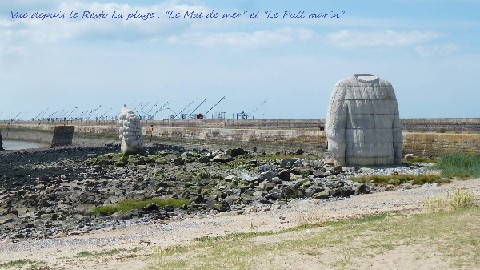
{"type": "Point", "coordinates": [277, 67]}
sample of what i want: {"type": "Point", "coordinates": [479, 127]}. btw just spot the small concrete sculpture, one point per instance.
{"type": "Point", "coordinates": [362, 124]}
{"type": "Point", "coordinates": [130, 131]}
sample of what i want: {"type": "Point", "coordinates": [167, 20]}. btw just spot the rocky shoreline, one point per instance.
{"type": "Point", "coordinates": [48, 193]}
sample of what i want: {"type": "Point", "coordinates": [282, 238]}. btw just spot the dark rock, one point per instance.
{"type": "Point", "coordinates": [312, 190]}
{"type": "Point", "coordinates": [204, 159]}
{"type": "Point", "coordinates": [336, 170]}
{"type": "Point", "coordinates": [288, 192]}
{"type": "Point", "coordinates": [296, 171]}
{"type": "Point", "coordinates": [134, 213]}
{"type": "Point", "coordinates": [236, 152]}
{"type": "Point", "coordinates": [341, 192]}
{"type": "Point", "coordinates": [222, 158]}
{"type": "Point", "coordinates": [210, 204]}
{"type": "Point", "coordinates": [169, 208]}
{"type": "Point", "coordinates": [362, 189]}
{"type": "Point", "coordinates": [151, 207]}
{"type": "Point", "coordinates": [284, 175]}
{"type": "Point", "coordinates": [179, 161]}
{"type": "Point", "coordinates": [247, 199]}
{"type": "Point", "coordinates": [274, 194]}
{"type": "Point", "coordinates": [198, 199]}
{"type": "Point", "coordinates": [287, 163]}
{"type": "Point", "coordinates": [266, 168]}
{"type": "Point", "coordinates": [222, 206]}
{"type": "Point", "coordinates": [321, 195]}
{"type": "Point", "coordinates": [159, 215]}
{"type": "Point", "coordinates": [268, 186]}
{"type": "Point", "coordinates": [231, 199]}
{"type": "Point", "coordinates": [264, 201]}
{"type": "Point", "coordinates": [266, 175]}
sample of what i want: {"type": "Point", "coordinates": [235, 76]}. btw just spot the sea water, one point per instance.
{"type": "Point", "coordinates": [19, 145]}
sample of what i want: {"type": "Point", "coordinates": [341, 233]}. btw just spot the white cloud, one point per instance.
{"type": "Point", "coordinates": [352, 39]}
{"type": "Point", "coordinates": [243, 39]}
{"type": "Point", "coordinates": [437, 50]}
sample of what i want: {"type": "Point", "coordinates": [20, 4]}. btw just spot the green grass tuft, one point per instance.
{"type": "Point", "coordinates": [128, 205]}
{"type": "Point", "coordinates": [85, 254]}
{"type": "Point", "coordinates": [369, 218]}
{"type": "Point", "coordinates": [338, 245]}
{"type": "Point", "coordinates": [460, 165]}
{"type": "Point", "coordinates": [459, 199]}
{"type": "Point", "coordinates": [21, 263]}
{"type": "Point", "coordinates": [382, 180]}
{"type": "Point", "coordinates": [109, 252]}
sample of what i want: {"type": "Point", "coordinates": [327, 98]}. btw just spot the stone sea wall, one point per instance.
{"type": "Point", "coordinates": [442, 124]}
{"type": "Point", "coordinates": [445, 135]}
{"type": "Point", "coordinates": [436, 144]}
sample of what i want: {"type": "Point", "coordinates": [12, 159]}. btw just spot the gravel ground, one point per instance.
{"type": "Point", "coordinates": [143, 234]}
{"type": "Point", "coordinates": [61, 252]}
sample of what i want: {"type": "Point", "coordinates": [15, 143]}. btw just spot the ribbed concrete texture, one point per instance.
{"type": "Point", "coordinates": [130, 131]}
{"type": "Point", "coordinates": [362, 124]}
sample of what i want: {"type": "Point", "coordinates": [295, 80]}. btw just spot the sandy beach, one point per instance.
{"type": "Point", "coordinates": [138, 242]}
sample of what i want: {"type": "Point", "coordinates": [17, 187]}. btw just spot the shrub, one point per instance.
{"type": "Point", "coordinates": [459, 199]}
{"type": "Point", "coordinates": [460, 165]}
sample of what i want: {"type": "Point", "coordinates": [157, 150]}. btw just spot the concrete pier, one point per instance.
{"type": "Point", "coordinates": [425, 137]}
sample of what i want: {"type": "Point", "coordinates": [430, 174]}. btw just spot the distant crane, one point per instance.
{"type": "Point", "coordinates": [151, 109]}
{"type": "Point", "coordinates": [71, 113]}
{"type": "Point", "coordinates": [144, 105]}
{"type": "Point", "coordinates": [180, 113]}
{"type": "Point", "coordinates": [161, 109]}
{"type": "Point", "coordinates": [39, 115]}
{"type": "Point", "coordinates": [58, 114]}
{"type": "Point", "coordinates": [92, 111]}
{"type": "Point", "coordinates": [261, 105]}
{"type": "Point", "coordinates": [52, 114]}
{"type": "Point", "coordinates": [215, 105]}
{"type": "Point", "coordinates": [194, 110]}
{"type": "Point", "coordinates": [104, 115]}
{"type": "Point", "coordinates": [14, 118]}
{"type": "Point", "coordinates": [136, 106]}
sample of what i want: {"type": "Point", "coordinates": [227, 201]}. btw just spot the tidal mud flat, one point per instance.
{"type": "Point", "coordinates": [50, 193]}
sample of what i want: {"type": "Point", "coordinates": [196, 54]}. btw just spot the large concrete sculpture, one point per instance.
{"type": "Point", "coordinates": [130, 131]}
{"type": "Point", "coordinates": [363, 125]}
